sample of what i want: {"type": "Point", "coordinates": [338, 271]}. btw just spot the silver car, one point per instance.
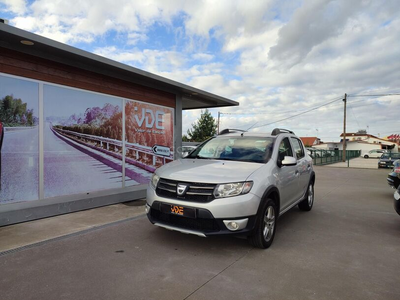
{"type": "Point", "coordinates": [235, 183]}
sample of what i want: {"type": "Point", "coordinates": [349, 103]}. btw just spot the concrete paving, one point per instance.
{"type": "Point", "coordinates": [21, 235]}
{"type": "Point", "coordinates": [347, 247]}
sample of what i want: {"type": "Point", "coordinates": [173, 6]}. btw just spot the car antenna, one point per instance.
{"type": "Point", "coordinates": [248, 129]}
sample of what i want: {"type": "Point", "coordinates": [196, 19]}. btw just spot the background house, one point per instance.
{"type": "Point", "coordinates": [360, 141]}
{"type": "Point", "coordinates": [310, 141]}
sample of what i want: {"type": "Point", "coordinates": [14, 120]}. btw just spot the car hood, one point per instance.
{"type": "Point", "coordinates": [207, 170]}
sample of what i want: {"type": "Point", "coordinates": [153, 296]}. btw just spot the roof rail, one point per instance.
{"type": "Point", "coordinates": [230, 130]}
{"type": "Point", "coordinates": [277, 131]}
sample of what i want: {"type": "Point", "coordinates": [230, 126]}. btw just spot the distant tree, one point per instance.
{"type": "Point", "coordinates": [204, 128]}
{"type": "Point", "coordinates": [185, 138]}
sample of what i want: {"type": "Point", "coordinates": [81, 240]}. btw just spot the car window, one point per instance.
{"type": "Point", "coordinates": [285, 149]}
{"type": "Point", "coordinates": [249, 149]}
{"type": "Point", "coordinates": [394, 155]}
{"type": "Point", "coordinates": [298, 148]}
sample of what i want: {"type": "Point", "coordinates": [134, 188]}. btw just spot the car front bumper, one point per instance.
{"type": "Point", "coordinates": [212, 218]}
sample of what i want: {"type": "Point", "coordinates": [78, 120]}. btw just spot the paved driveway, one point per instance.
{"type": "Point", "coordinates": [347, 247]}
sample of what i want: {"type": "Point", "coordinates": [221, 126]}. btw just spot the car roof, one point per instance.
{"type": "Point", "coordinates": [249, 134]}
{"type": "Point", "coordinates": [241, 133]}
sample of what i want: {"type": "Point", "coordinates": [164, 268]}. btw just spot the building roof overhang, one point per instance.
{"type": "Point", "coordinates": [192, 98]}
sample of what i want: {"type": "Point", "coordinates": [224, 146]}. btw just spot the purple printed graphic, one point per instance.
{"type": "Point", "coordinates": [19, 152]}
{"type": "Point", "coordinates": [83, 143]}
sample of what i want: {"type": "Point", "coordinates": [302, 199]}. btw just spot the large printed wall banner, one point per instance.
{"type": "Point", "coordinates": [19, 140]}
{"type": "Point", "coordinates": [149, 131]}
{"type": "Point", "coordinates": [82, 141]}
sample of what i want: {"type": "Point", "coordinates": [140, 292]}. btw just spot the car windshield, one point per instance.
{"type": "Point", "coordinates": [390, 155]}
{"type": "Point", "coordinates": [249, 149]}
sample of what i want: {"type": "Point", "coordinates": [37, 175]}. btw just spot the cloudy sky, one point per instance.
{"type": "Point", "coordinates": [277, 58]}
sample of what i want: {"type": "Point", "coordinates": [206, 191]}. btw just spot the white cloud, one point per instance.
{"type": "Point", "coordinates": [276, 57]}
{"type": "Point", "coordinates": [17, 7]}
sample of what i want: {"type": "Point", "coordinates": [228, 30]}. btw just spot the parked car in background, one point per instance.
{"type": "Point", "coordinates": [397, 200]}
{"type": "Point", "coordinates": [376, 153]}
{"type": "Point", "coordinates": [387, 159]}
{"type": "Point", "coordinates": [313, 152]}
{"type": "Point", "coordinates": [236, 183]}
{"type": "Point", "coordinates": [393, 177]}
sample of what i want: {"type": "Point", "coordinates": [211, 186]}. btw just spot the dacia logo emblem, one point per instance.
{"type": "Point", "coordinates": [181, 189]}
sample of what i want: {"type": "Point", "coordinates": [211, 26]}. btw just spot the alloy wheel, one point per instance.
{"type": "Point", "coordinates": [269, 223]}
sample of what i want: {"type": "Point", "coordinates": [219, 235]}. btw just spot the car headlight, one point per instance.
{"type": "Point", "coordinates": [232, 189]}
{"type": "Point", "coordinates": [154, 180]}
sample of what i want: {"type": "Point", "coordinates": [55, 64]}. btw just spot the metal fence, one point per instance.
{"type": "Point", "coordinates": [324, 157]}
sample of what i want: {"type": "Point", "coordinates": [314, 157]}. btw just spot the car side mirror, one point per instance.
{"type": "Point", "coordinates": [289, 161]}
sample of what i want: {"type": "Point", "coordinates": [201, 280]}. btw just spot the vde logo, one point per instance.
{"type": "Point", "coordinates": [149, 119]}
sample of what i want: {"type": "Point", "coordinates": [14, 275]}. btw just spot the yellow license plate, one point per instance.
{"type": "Point", "coordinates": [177, 210]}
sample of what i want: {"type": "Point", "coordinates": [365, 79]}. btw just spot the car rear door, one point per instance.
{"type": "Point", "coordinates": [303, 166]}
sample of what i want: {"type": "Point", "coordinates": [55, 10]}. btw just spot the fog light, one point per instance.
{"type": "Point", "coordinates": [234, 225]}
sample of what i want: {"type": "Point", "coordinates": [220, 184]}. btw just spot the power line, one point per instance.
{"type": "Point", "coordinates": [374, 95]}
{"type": "Point", "coordinates": [262, 113]}
{"type": "Point", "coordinates": [307, 111]}
{"type": "Point", "coordinates": [351, 109]}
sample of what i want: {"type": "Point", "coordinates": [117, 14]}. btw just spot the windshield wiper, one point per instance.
{"type": "Point", "coordinates": [201, 157]}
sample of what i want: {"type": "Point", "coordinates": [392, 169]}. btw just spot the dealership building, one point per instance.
{"type": "Point", "coordinates": [81, 130]}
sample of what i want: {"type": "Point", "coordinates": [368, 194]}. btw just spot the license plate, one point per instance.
{"type": "Point", "coordinates": [178, 210]}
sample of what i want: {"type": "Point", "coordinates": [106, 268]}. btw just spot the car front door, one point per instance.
{"type": "Point", "coordinates": [287, 176]}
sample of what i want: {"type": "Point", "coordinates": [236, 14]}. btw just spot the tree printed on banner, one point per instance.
{"type": "Point", "coordinates": [14, 112]}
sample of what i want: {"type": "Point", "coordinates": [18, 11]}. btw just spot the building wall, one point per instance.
{"type": "Point", "coordinates": [77, 139]}
{"type": "Point", "coordinates": [20, 64]}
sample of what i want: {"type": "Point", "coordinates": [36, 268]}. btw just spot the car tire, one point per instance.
{"type": "Point", "coordinates": [264, 233]}
{"type": "Point", "coordinates": [308, 201]}
{"type": "Point", "coordinates": [366, 156]}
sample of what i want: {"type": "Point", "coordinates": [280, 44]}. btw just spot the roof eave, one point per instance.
{"type": "Point", "coordinates": [10, 38]}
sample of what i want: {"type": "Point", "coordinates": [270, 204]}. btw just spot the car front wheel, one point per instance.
{"type": "Point", "coordinates": [265, 228]}
{"type": "Point", "coordinates": [308, 201]}
{"type": "Point", "coordinates": [366, 156]}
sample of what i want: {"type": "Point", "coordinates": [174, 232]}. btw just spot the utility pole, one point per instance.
{"type": "Point", "coordinates": [219, 114]}
{"type": "Point", "coordinates": [344, 128]}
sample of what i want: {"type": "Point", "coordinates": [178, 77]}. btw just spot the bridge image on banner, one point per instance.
{"type": "Point", "coordinates": [83, 147]}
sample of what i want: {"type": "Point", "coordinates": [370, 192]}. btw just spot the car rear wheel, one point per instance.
{"type": "Point", "coordinates": [366, 156]}
{"type": "Point", "coordinates": [308, 201]}
{"type": "Point", "coordinates": [266, 225]}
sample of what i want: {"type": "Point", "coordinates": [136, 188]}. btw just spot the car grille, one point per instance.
{"type": "Point", "coordinates": [202, 225]}
{"type": "Point", "coordinates": [197, 192]}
